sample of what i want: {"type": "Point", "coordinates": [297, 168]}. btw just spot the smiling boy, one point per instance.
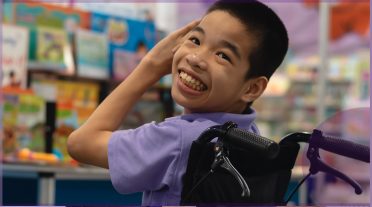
{"type": "Point", "coordinates": [216, 57]}
{"type": "Point", "coordinates": [219, 66]}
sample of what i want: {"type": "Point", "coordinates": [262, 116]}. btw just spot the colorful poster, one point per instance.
{"type": "Point", "coordinates": [125, 36]}
{"type": "Point", "coordinates": [92, 54]}
{"type": "Point", "coordinates": [14, 56]}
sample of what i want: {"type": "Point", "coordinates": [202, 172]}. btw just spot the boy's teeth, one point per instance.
{"type": "Point", "coordinates": [192, 82]}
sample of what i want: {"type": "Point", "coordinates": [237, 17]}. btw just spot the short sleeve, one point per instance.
{"type": "Point", "coordinates": [144, 158]}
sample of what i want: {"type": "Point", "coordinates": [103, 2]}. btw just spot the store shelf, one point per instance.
{"type": "Point", "coordinates": [59, 72]}
{"type": "Point", "coordinates": [60, 172]}
{"type": "Point", "coordinates": [61, 185]}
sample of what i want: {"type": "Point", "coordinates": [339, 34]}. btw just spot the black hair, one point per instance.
{"type": "Point", "coordinates": [268, 30]}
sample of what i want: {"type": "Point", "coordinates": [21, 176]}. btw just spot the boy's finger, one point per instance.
{"type": "Point", "coordinates": [184, 30]}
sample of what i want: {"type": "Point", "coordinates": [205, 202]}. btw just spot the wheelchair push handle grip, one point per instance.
{"type": "Point", "coordinates": [342, 147]}
{"type": "Point", "coordinates": [251, 141]}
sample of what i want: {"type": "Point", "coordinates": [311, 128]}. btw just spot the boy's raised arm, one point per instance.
{"type": "Point", "coordinates": [88, 144]}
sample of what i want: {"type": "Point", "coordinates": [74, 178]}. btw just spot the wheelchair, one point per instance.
{"type": "Point", "coordinates": [243, 168]}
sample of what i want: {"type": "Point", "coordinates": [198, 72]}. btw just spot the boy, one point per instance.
{"type": "Point", "coordinates": [219, 66]}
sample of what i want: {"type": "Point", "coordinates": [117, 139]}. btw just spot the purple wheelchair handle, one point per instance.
{"type": "Point", "coordinates": [337, 146]}
{"type": "Point", "coordinates": [340, 146]}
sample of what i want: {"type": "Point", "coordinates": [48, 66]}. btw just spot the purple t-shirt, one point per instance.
{"type": "Point", "coordinates": [153, 158]}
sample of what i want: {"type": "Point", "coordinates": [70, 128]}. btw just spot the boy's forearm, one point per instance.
{"type": "Point", "coordinates": [111, 112]}
{"type": "Point", "coordinates": [88, 144]}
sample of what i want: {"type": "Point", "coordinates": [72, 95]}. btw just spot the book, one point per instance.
{"type": "Point", "coordinates": [34, 14]}
{"type": "Point", "coordinates": [14, 63]}
{"type": "Point", "coordinates": [53, 50]}
{"type": "Point", "coordinates": [83, 96]}
{"type": "Point", "coordinates": [23, 122]}
{"type": "Point", "coordinates": [76, 101]}
{"type": "Point", "coordinates": [124, 63]}
{"type": "Point", "coordinates": [92, 54]}
{"type": "Point", "coordinates": [66, 123]}
{"type": "Point", "coordinates": [128, 39]}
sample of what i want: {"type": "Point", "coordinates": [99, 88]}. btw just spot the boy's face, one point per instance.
{"type": "Point", "coordinates": [209, 68]}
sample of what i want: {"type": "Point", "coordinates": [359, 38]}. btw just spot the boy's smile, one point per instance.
{"type": "Point", "coordinates": [192, 83]}
{"type": "Point", "coordinates": [209, 68]}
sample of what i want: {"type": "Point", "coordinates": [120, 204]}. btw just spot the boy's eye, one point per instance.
{"type": "Point", "coordinates": [223, 56]}
{"type": "Point", "coordinates": [194, 40]}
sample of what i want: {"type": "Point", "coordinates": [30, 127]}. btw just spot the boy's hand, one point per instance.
{"type": "Point", "coordinates": [161, 56]}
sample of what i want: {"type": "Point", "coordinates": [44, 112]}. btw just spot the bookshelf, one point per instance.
{"type": "Point", "coordinates": [303, 101]}
{"type": "Point", "coordinates": [75, 58]}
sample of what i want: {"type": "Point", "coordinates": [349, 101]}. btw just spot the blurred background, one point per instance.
{"type": "Point", "coordinates": [60, 60]}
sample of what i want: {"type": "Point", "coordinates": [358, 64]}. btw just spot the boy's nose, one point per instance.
{"type": "Point", "coordinates": [195, 60]}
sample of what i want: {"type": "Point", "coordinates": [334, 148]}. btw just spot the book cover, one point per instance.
{"type": "Point", "coordinates": [75, 103]}
{"type": "Point", "coordinates": [92, 54]}
{"type": "Point", "coordinates": [66, 123]}
{"type": "Point", "coordinates": [129, 39]}
{"type": "Point", "coordinates": [53, 50]}
{"type": "Point", "coordinates": [44, 86]}
{"type": "Point", "coordinates": [124, 63]}
{"type": "Point", "coordinates": [23, 122]}
{"type": "Point", "coordinates": [14, 63]}
{"type": "Point", "coordinates": [83, 95]}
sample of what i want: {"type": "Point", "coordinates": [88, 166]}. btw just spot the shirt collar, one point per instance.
{"type": "Point", "coordinates": [242, 120]}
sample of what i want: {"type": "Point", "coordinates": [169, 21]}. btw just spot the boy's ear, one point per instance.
{"type": "Point", "coordinates": [254, 88]}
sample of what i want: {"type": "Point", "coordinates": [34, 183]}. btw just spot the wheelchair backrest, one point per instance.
{"type": "Point", "coordinates": [267, 178]}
